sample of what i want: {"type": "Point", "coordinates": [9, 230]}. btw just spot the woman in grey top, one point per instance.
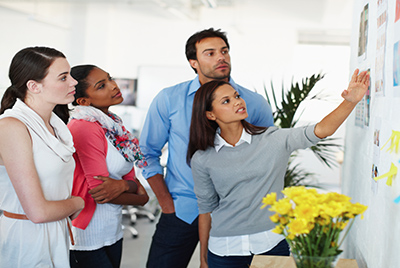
{"type": "Point", "coordinates": [235, 164]}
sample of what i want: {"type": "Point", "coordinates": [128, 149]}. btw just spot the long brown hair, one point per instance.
{"type": "Point", "coordinates": [31, 63]}
{"type": "Point", "coordinates": [202, 130]}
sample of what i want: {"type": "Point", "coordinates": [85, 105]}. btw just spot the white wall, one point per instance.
{"type": "Point", "coordinates": [120, 37]}
{"type": "Point", "coordinates": [374, 240]}
{"type": "Point", "coordinates": [138, 41]}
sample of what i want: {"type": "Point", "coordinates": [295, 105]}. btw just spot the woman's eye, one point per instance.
{"type": "Point", "coordinates": [64, 78]}
{"type": "Point", "coordinates": [225, 101]}
{"type": "Point", "coordinates": [101, 86]}
{"type": "Point", "coordinates": [237, 96]}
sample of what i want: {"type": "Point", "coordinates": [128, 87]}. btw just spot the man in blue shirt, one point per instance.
{"type": "Point", "coordinates": [168, 121]}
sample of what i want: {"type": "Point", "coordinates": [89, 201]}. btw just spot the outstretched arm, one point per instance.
{"type": "Point", "coordinates": [356, 90]}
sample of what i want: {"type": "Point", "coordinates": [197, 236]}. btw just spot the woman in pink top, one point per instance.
{"type": "Point", "coordinates": [104, 174]}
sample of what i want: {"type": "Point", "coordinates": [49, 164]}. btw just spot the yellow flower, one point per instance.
{"type": "Point", "coordinates": [357, 209]}
{"type": "Point", "coordinates": [278, 229]}
{"type": "Point", "coordinates": [291, 236]}
{"type": "Point", "coordinates": [349, 215]}
{"type": "Point", "coordinates": [341, 225]}
{"type": "Point", "coordinates": [309, 197]}
{"type": "Point", "coordinates": [282, 206]}
{"type": "Point", "coordinates": [298, 226]}
{"type": "Point", "coordinates": [292, 192]}
{"type": "Point", "coordinates": [275, 217]}
{"type": "Point", "coordinates": [283, 220]}
{"type": "Point", "coordinates": [323, 220]}
{"type": "Point", "coordinates": [306, 217]}
{"type": "Point", "coordinates": [340, 198]}
{"type": "Point", "coordinates": [269, 199]}
{"type": "Point", "coordinates": [333, 209]}
{"type": "Point", "coordinates": [306, 212]}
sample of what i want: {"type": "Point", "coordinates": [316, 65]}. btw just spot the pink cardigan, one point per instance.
{"type": "Point", "coordinates": [90, 157]}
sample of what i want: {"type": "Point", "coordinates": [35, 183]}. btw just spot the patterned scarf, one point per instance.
{"type": "Point", "coordinates": [122, 139]}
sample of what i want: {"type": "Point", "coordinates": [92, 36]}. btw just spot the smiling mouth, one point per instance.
{"type": "Point", "coordinates": [240, 110]}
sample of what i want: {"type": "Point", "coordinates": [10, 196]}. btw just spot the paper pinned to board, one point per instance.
{"type": "Point", "coordinates": [390, 175]}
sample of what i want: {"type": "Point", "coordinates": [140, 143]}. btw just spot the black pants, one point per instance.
{"type": "Point", "coordinates": [215, 261]}
{"type": "Point", "coordinates": [105, 257]}
{"type": "Point", "coordinates": [174, 242]}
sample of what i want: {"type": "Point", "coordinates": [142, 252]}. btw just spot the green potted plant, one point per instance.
{"type": "Point", "coordinates": [284, 117]}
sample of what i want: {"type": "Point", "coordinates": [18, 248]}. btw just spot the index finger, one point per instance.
{"type": "Point", "coordinates": [354, 76]}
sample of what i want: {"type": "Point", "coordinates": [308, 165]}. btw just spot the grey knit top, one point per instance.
{"type": "Point", "coordinates": [232, 182]}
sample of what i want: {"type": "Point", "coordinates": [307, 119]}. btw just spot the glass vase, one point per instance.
{"type": "Point", "coordinates": [314, 261]}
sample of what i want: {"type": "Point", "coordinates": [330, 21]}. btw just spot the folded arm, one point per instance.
{"type": "Point", "coordinates": [128, 191]}
{"type": "Point", "coordinates": [91, 148]}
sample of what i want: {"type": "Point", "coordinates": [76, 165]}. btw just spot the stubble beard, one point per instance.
{"type": "Point", "coordinates": [214, 75]}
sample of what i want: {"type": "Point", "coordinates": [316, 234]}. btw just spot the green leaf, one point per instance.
{"type": "Point", "coordinates": [284, 114]}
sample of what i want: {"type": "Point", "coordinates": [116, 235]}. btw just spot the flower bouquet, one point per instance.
{"type": "Point", "coordinates": [312, 222]}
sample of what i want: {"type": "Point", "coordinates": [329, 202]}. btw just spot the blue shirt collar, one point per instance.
{"type": "Point", "coordinates": [195, 85]}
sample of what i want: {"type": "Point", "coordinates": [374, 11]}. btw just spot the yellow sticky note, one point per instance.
{"type": "Point", "coordinates": [394, 142]}
{"type": "Point", "coordinates": [390, 175]}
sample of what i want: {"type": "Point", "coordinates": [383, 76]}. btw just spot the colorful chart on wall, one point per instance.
{"type": "Point", "coordinates": [362, 112]}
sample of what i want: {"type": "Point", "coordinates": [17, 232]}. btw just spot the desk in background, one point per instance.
{"type": "Point", "coordinates": [264, 261]}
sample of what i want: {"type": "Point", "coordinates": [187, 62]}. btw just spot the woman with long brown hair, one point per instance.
{"type": "Point", "coordinates": [235, 164]}
{"type": "Point", "coordinates": [36, 163]}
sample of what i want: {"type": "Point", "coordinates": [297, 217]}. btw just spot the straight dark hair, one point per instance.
{"type": "Point", "coordinates": [80, 74]}
{"type": "Point", "coordinates": [202, 130]}
{"type": "Point", "coordinates": [31, 63]}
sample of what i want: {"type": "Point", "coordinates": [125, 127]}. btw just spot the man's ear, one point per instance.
{"type": "Point", "coordinates": [83, 101]}
{"type": "Point", "coordinates": [194, 64]}
{"type": "Point", "coordinates": [210, 115]}
{"type": "Point", "coordinates": [33, 86]}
